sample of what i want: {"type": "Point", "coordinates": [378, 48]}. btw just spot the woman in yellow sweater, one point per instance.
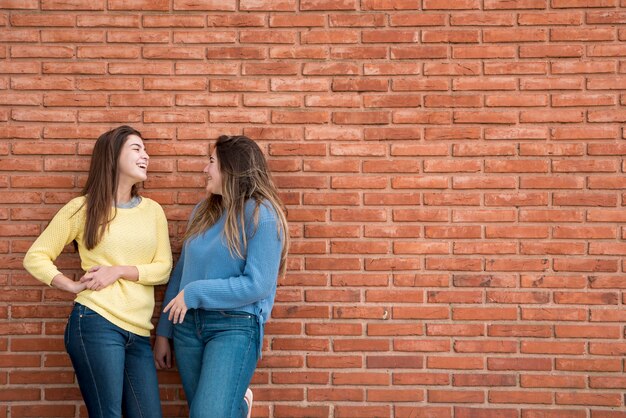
{"type": "Point", "coordinates": [124, 248]}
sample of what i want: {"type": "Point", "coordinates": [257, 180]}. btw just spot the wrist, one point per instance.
{"type": "Point", "coordinates": [130, 273]}
{"type": "Point", "coordinates": [119, 272]}
{"type": "Point", "coordinates": [77, 287]}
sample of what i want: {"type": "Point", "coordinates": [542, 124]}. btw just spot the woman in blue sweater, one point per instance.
{"type": "Point", "coordinates": [222, 290]}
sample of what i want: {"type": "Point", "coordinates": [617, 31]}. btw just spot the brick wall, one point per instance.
{"type": "Point", "coordinates": [453, 171]}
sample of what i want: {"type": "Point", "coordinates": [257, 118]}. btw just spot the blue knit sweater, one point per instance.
{"type": "Point", "coordinates": [215, 279]}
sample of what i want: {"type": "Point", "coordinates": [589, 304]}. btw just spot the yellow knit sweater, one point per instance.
{"type": "Point", "coordinates": [136, 237]}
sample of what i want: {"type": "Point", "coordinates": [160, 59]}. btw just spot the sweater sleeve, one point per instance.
{"type": "Point", "coordinates": [165, 327]}
{"type": "Point", "coordinates": [158, 270]}
{"type": "Point", "coordinates": [62, 229]}
{"type": "Point", "coordinates": [258, 280]}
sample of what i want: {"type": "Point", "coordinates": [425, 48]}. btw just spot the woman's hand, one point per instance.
{"type": "Point", "coordinates": [99, 277]}
{"type": "Point", "coordinates": [77, 287]}
{"type": "Point", "coordinates": [63, 282]}
{"type": "Point", "coordinates": [162, 353]}
{"type": "Point", "coordinates": [177, 308]}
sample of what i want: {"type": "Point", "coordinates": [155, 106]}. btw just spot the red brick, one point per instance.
{"type": "Point", "coordinates": [587, 3]}
{"type": "Point", "coordinates": [456, 397]}
{"type": "Point", "coordinates": [517, 397]}
{"type": "Point", "coordinates": [309, 20]}
{"type": "Point", "coordinates": [591, 265]}
{"type": "Point", "coordinates": [550, 51]}
{"type": "Point", "coordinates": [519, 363]}
{"type": "Point", "coordinates": [427, 312]}
{"type": "Point", "coordinates": [284, 411]}
{"type": "Point", "coordinates": [548, 18]}
{"type": "Point", "coordinates": [541, 331]}
{"type": "Point", "coordinates": [328, 5]}
{"type": "Point", "coordinates": [584, 331]}
{"type": "Point", "coordinates": [41, 411]}
{"type": "Point", "coordinates": [473, 314]}
{"type": "Point", "coordinates": [582, 398]}
{"type": "Point", "coordinates": [519, 4]}
{"type": "Point", "coordinates": [456, 363]}
{"type": "Point", "coordinates": [467, 412]}
{"type": "Point", "coordinates": [454, 330]}
{"type": "Point", "coordinates": [598, 382]}
{"type": "Point", "coordinates": [515, 35]}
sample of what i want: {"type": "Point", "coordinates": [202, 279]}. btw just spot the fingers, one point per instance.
{"type": "Point", "coordinates": [86, 277]}
{"type": "Point", "coordinates": [89, 275]}
{"type": "Point", "coordinates": [94, 285]}
{"type": "Point", "coordinates": [163, 360]}
{"type": "Point", "coordinates": [177, 313]}
{"type": "Point", "coordinates": [181, 315]}
{"type": "Point", "coordinates": [158, 362]}
{"type": "Point", "coordinates": [169, 306]}
{"type": "Point", "coordinates": [177, 309]}
{"type": "Point", "coordinates": [162, 353]}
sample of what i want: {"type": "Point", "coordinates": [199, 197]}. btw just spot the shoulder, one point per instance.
{"type": "Point", "coordinates": [73, 213]}
{"type": "Point", "coordinates": [76, 202]}
{"type": "Point", "coordinates": [75, 206]}
{"type": "Point", "coordinates": [149, 202]}
{"type": "Point", "coordinates": [150, 205]}
{"type": "Point", "coordinates": [265, 213]}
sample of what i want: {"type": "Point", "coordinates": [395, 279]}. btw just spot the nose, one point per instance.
{"type": "Point", "coordinates": [145, 154]}
{"type": "Point", "coordinates": [205, 170]}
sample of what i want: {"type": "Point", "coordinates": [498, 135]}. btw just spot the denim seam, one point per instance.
{"type": "Point", "coordinates": [131, 341]}
{"type": "Point", "coordinates": [82, 346]}
{"type": "Point", "coordinates": [132, 389]}
{"type": "Point", "coordinates": [241, 370]}
{"type": "Point", "coordinates": [68, 331]}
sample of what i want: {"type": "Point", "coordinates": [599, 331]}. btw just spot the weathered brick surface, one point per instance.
{"type": "Point", "coordinates": [453, 171]}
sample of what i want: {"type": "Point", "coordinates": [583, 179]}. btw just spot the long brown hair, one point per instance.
{"type": "Point", "coordinates": [100, 190]}
{"type": "Point", "coordinates": [245, 176]}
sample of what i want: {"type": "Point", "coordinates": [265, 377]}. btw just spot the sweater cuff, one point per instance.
{"type": "Point", "coordinates": [165, 328]}
{"type": "Point", "coordinates": [192, 295]}
{"type": "Point", "coordinates": [48, 275]}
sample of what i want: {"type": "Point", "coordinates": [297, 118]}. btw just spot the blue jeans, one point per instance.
{"type": "Point", "coordinates": [216, 353]}
{"type": "Point", "coordinates": [114, 368]}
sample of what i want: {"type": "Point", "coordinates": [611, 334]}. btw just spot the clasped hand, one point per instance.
{"type": "Point", "coordinates": [99, 277]}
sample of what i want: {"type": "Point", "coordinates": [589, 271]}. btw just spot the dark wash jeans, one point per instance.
{"type": "Point", "coordinates": [114, 368]}
{"type": "Point", "coordinates": [216, 354]}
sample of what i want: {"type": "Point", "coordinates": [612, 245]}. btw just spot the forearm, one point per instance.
{"type": "Point", "coordinates": [130, 273]}
{"type": "Point", "coordinates": [62, 282]}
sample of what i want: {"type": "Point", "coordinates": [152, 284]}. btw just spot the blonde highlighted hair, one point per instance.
{"type": "Point", "coordinates": [245, 176]}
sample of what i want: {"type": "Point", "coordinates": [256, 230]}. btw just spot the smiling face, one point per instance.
{"type": "Point", "coordinates": [214, 176]}
{"type": "Point", "coordinates": [132, 163]}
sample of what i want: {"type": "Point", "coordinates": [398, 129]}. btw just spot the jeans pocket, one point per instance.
{"type": "Point", "coordinates": [89, 312]}
{"type": "Point", "coordinates": [68, 329]}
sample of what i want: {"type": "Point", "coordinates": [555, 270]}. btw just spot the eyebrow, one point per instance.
{"type": "Point", "coordinates": [132, 144]}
